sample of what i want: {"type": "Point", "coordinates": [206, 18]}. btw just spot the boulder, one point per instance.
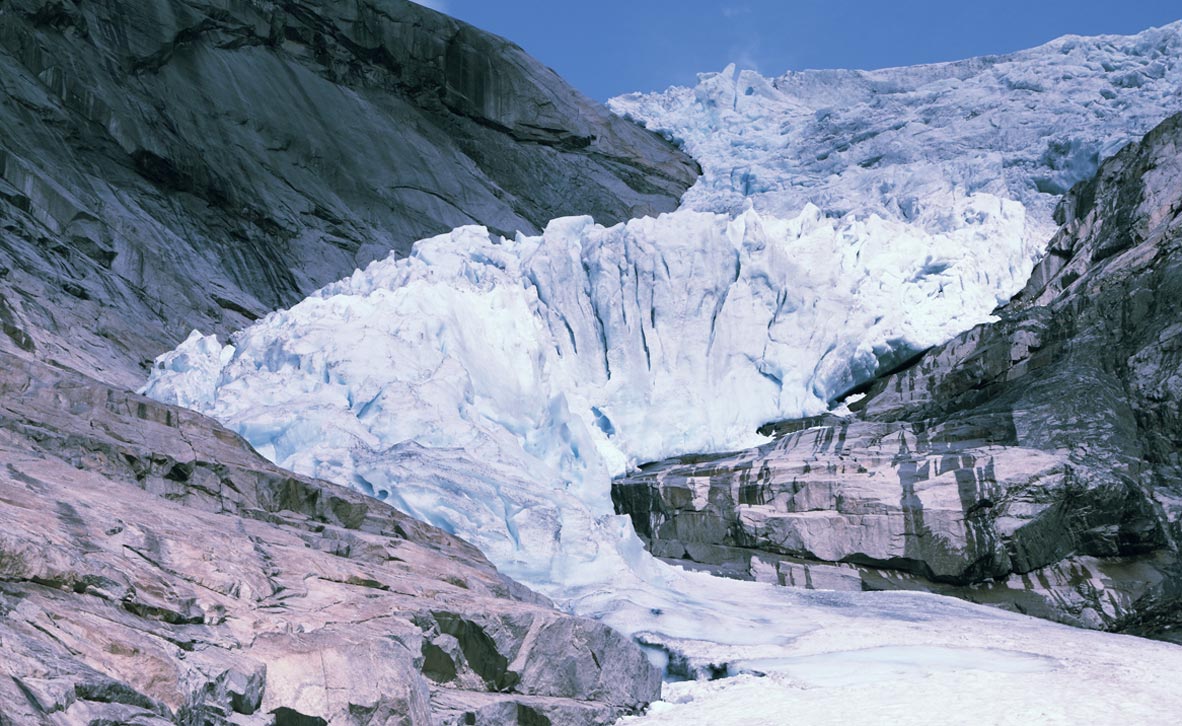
{"type": "Point", "coordinates": [169, 165]}
{"type": "Point", "coordinates": [154, 569]}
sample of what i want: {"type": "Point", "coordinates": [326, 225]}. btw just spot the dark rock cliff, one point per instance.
{"type": "Point", "coordinates": [1032, 463]}
{"type": "Point", "coordinates": [175, 164]}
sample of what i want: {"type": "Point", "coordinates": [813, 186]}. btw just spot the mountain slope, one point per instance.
{"type": "Point", "coordinates": [1031, 462]}
{"type": "Point", "coordinates": [462, 383]}
{"type": "Point", "coordinates": [196, 163]}
{"type": "Point", "coordinates": [155, 570]}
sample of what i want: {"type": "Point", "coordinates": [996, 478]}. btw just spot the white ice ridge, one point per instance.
{"type": "Point", "coordinates": [565, 357]}
{"type": "Point", "coordinates": [492, 387]}
{"type": "Point", "coordinates": [901, 142]}
{"type": "Point", "coordinates": [657, 337]}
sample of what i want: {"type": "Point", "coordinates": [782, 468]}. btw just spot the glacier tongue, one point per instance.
{"type": "Point", "coordinates": [587, 349]}
{"type": "Point", "coordinates": [493, 386]}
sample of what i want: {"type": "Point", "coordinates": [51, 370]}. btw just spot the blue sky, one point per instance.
{"type": "Point", "coordinates": [609, 47]}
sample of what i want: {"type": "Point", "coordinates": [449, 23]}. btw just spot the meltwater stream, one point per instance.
{"type": "Point", "coordinates": [493, 387]}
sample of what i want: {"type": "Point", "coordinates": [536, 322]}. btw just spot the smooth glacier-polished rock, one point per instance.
{"type": "Point", "coordinates": [176, 164]}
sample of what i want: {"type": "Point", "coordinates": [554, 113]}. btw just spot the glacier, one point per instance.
{"type": "Point", "coordinates": [844, 221]}
{"type": "Point", "coordinates": [902, 142]}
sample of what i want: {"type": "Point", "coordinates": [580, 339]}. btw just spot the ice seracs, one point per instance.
{"type": "Point", "coordinates": [491, 387]}
{"type": "Point", "coordinates": [903, 142]}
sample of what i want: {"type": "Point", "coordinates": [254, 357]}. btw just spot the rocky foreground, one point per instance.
{"type": "Point", "coordinates": [1031, 463]}
{"type": "Point", "coordinates": [155, 570]}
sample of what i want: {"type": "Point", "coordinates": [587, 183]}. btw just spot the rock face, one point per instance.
{"type": "Point", "coordinates": [1031, 463]}
{"type": "Point", "coordinates": [154, 569]}
{"type": "Point", "coordinates": [178, 164]}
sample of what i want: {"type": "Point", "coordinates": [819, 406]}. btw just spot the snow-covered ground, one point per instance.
{"type": "Point", "coordinates": [492, 387]}
{"type": "Point", "coordinates": [923, 685]}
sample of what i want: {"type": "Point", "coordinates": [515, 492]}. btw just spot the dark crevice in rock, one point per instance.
{"type": "Point", "coordinates": [437, 664]}
{"type": "Point", "coordinates": [480, 651]}
{"type": "Point", "coordinates": [527, 716]}
{"type": "Point", "coordinates": [285, 716]}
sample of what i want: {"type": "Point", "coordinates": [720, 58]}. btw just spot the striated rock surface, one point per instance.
{"type": "Point", "coordinates": [1031, 463]}
{"type": "Point", "coordinates": [176, 164]}
{"type": "Point", "coordinates": [154, 570]}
